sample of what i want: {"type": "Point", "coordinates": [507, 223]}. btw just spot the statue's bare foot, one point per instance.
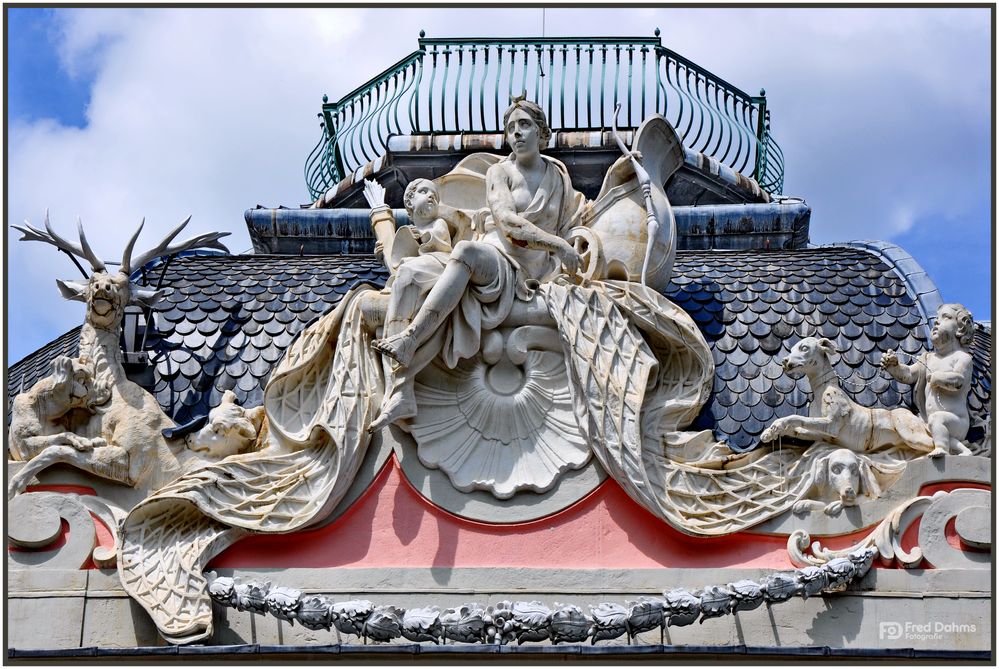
{"type": "Point", "coordinates": [937, 452]}
{"type": "Point", "coordinates": [399, 347]}
{"type": "Point", "coordinates": [395, 408]}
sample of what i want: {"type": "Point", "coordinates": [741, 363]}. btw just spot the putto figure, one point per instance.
{"type": "Point", "coordinates": [532, 206]}
{"type": "Point", "coordinates": [942, 379]}
{"type": "Point", "coordinates": [417, 256]}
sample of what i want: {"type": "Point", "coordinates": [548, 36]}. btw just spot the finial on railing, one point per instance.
{"type": "Point", "coordinates": [763, 92]}
{"type": "Point", "coordinates": [326, 98]}
{"type": "Point", "coordinates": [657, 31]}
{"type": "Point", "coordinates": [423, 33]}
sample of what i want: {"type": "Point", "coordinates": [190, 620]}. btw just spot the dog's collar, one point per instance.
{"type": "Point", "coordinates": [826, 377]}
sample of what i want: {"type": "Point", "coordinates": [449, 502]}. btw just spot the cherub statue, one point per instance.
{"type": "Point", "coordinates": [942, 379]}
{"type": "Point", "coordinates": [416, 255]}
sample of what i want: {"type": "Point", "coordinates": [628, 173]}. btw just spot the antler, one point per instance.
{"type": "Point", "coordinates": [205, 241]}
{"type": "Point", "coordinates": [89, 254]}
{"type": "Point", "coordinates": [126, 257]}
{"type": "Point", "coordinates": [83, 250]}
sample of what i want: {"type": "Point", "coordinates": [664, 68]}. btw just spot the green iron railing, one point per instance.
{"type": "Point", "coordinates": [464, 85]}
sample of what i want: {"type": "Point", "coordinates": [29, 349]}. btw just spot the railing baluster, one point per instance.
{"type": "Point", "coordinates": [443, 95]}
{"type": "Point", "coordinates": [497, 110]}
{"type": "Point", "coordinates": [513, 70]}
{"type": "Point", "coordinates": [589, 89]}
{"type": "Point", "coordinates": [471, 84]}
{"type": "Point", "coordinates": [617, 76]}
{"type": "Point", "coordinates": [705, 111]}
{"type": "Point", "coordinates": [457, 88]}
{"type": "Point", "coordinates": [631, 121]}
{"type": "Point", "coordinates": [644, 69]}
{"type": "Point", "coordinates": [695, 95]}
{"type": "Point", "coordinates": [398, 90]}
{"type": "Point", "coordinates": [551, 78]}
{"type": "Point", "coordinates": [724, 121]}
{"type": "Point", "coordinates": [561, 94]}
{"type": "Point", "coordinates": [575, 105]}
{"type": "Point", "coordinates": [366, 125]}
{"type": "Point", "coordinates": [343, 139]}
{"type": "Point", "coordinates": [499, 73]}
{"type": "Point", "coordinates": [430, 88]}
{"type": "Point", "coordinates": [377, 120]}
{"type": "Point", "coordinates": [523, 82]}
{"type": "Point", "coordinates": [482, 86]}
{"type": "Point", "coordinates": [603, 69]}
{"type": "Point", "coordinates": [538, 92]}
{"type": "Point", "coordinates": [350, 139]}
{"type": "Point", "coordinates": [731, 126]}
{"type": "Point", "coordinates": [749, 110]}
{"type": "Point", "coordinates": [675, 85]}
{"type": "Point", "coordinates": [716, 113]}
{"type": "Point", "coordinates": [690, 98]}
{"type": "Point", "coordinates": [747, 123]}
{"type": "Point", "coordinates": [737, 132]}
{"type": "Point", "coordinates": [659, 81]}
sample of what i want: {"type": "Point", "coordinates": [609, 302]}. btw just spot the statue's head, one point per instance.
{"type": "Point", "coordinates": [808, 355]}
{"type": "Point", "coordinates": [530, 111]}
{"type": "Point", "coordinates": [421, 198]}
{"type": "Point", "coordinates": [107, 293]}
{"type": "Point", "coordinates": [72, 382]}
{"type": "Point", "coordinates": [953, 322]}
{"type": "Point", "coordinates": [230, 429]}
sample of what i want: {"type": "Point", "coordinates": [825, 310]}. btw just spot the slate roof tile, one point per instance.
{"type": "Point", "coordinates": [226, 320]}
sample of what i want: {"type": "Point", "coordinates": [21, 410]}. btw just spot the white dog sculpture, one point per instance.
{"type": "Point", "coordinates": [839, 479]}
{"type": "Point", "coordinates": [833, 418]}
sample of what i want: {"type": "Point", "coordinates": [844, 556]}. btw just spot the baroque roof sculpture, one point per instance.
{"type": "Point", "coordinates": [520, 343]}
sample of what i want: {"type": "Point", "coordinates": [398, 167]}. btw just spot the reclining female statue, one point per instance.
{"type": "Point", "coordinates": [532, 206]}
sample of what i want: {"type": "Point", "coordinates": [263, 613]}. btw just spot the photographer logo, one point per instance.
{"type": "Point", "coordinates": [889, 630]}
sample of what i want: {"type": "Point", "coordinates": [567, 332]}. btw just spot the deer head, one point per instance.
{"type": "Point", "coordinates": [105, 293]}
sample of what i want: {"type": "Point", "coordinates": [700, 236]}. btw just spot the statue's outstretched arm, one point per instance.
{"type": "Point", "coordinates": [898, 370]}
{"type": "Point", "coordinates": [382, 220]}
{"type": "Point", "coordinates": [521, 231]}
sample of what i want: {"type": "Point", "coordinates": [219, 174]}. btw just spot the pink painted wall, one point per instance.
{"type": "Point", "coordinates": [392, 525]}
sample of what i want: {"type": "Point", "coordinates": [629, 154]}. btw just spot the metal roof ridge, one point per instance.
{"type": "Point", "coordinates": [916, 280]}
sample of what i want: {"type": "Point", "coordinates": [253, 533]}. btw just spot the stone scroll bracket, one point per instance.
{"type": "Point", "coordinates": [35, 522]}
{"type": "Point", "coordinates": [954, 532]}
{"type": "Point", "coordinates": [971, 513]}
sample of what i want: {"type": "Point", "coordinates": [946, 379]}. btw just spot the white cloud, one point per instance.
{"type": "Point", "coordinates": [211, 111]}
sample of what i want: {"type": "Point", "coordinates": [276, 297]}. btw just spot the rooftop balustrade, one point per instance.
{"type": "Point", "coordinates": [465, 85]}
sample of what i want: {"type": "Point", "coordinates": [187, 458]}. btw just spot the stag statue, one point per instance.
{"type": "Point", "coordinates": [115, 430]}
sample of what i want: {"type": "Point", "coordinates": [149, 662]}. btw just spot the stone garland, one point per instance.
{"type": "Point", "coordinates": [533, 621]}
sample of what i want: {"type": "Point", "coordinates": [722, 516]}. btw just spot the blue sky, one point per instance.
{"type": "Point", "coordinates": [38, 86]}
{"type": "Point", "coordinates": [116, 115]}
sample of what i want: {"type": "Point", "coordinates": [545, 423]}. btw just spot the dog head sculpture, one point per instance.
{"type": "Point", "coordinates": [231, 429]}
{"type": "Point", "coordinates": [845, 475]}
{"type": "Point", "coordinates": [808, 356]}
